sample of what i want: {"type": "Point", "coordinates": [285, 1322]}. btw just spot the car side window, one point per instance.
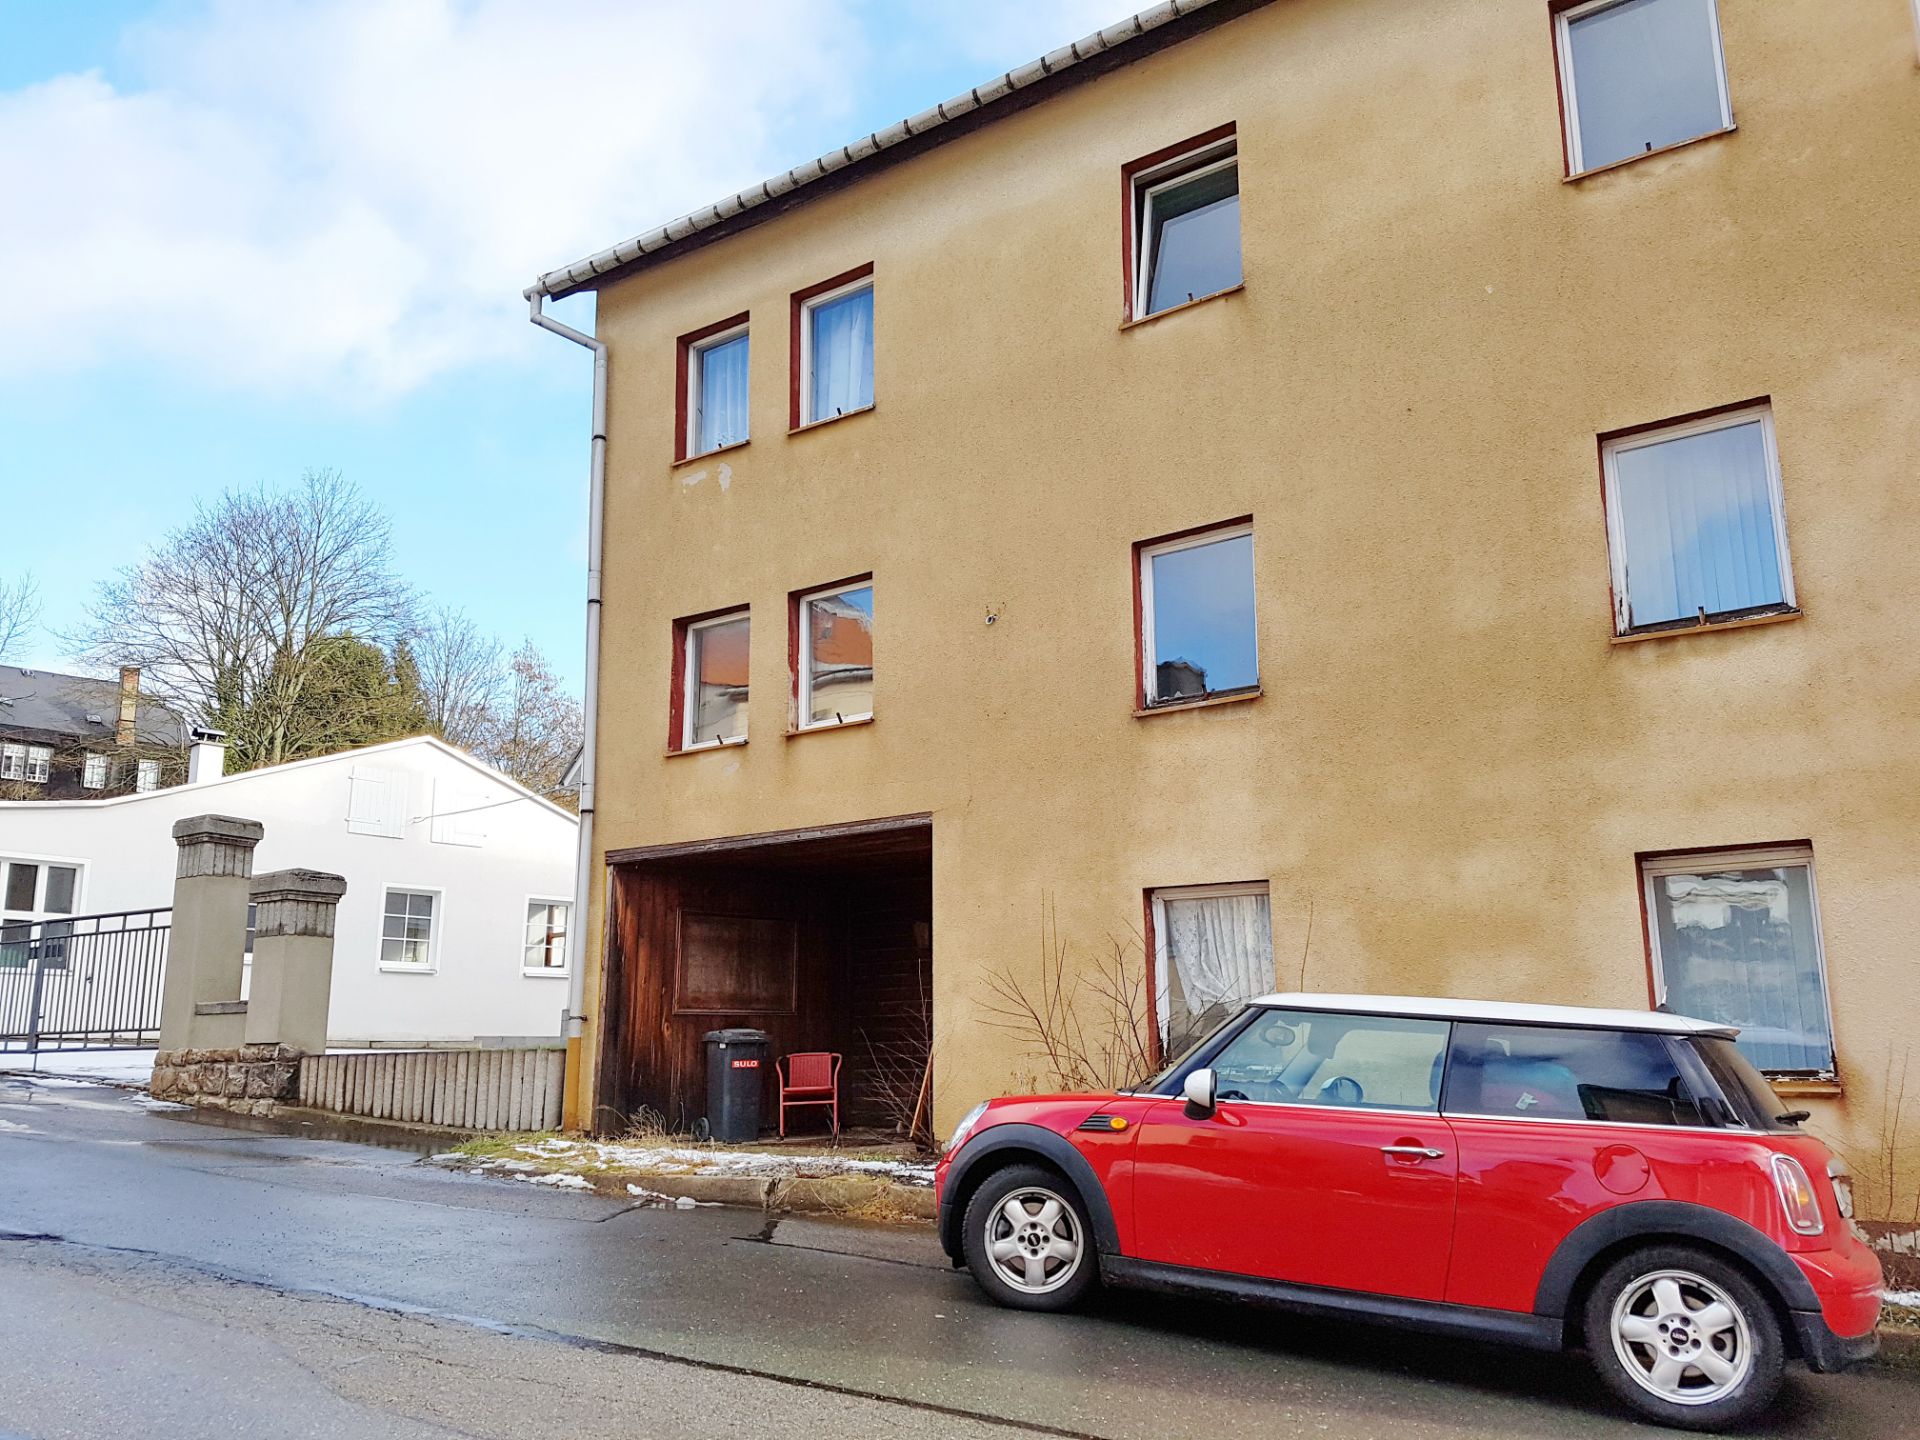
{"type": "Point", "coordinates": [1306, 1057]}
{"type": "Point", "coordinates": [1545, 1072]}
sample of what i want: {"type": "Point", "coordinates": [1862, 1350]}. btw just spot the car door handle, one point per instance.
{"type": "Point", "coordinates": [1424, 1152]}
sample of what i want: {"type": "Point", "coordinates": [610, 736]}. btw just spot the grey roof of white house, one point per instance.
{"type": "Point", "coordinates": [1118, 43]}
{"type": "Point", "coordinates": [77, 705]}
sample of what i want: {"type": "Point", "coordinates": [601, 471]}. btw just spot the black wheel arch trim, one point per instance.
{"type": "Point", "coordinates": [1655, 1220]}
{"type": "Point", "coordinates": [1019, 1138]}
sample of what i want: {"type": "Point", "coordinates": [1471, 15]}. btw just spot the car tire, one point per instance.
{"type": "Point", "coordinates": [1027, 1240]}
{"type": "Point", "coordinates": [1684, 1338]}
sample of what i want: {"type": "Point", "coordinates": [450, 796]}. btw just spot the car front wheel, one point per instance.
{"type": "Point", "coordinates": [1684, 1338]}
{"type": "Point", "coordinates": [1027, 1240]}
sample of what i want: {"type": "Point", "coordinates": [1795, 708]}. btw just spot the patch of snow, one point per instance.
{"type": "Point", "coordinates": [119, 1067]}
{"type": "Point", "coordinates": [559, 1181]}
{"type": "Point", "coordinates": [754, 1164]}
{"type": "Point", "coordinates": [448, 1157]}
{"type": "Point", "coordinates": [654, 1197]}
{"type": "Point", "coordinates": [1908, 1298]}
{"type": "Point", "coordinates": [29, 1130]}
{"type": "Point", "coordinates": [147, 1102]}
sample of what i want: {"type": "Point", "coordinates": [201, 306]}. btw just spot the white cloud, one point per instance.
{"type": "Point", "coordinates": [352, 192]}
{"type": "Point", "coordinates": [355, 190]}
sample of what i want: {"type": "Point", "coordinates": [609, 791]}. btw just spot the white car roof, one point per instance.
{"type": "Point", "coordinates": [1504, 1011]}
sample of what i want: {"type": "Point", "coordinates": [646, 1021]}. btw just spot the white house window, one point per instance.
{"type": "Point", "coordinates": [377, 801]}
{"type": "Point", "coordinates": [836, 655]}
{"type": "Point", "coordinates": [546, 948]}
{"type": "Point", "coordinates": [31, 890]}
{"type": "Point", "coordinates": [407, 929]}
{"type": "Point", "coordinates": [1197, 635]}
{"type": "Point", "coordinates": [1213, 952]}
{"type": "Point", "coordinates": [713, 701]}
{"type": "Point", "coordinates": [1696, 523]}
{"type": "Point", "coordinates": [1736, 938]}
{"type": "Point", "coordinates": [1638, 76]}
{"type": "Point", "coordinates": [39, 764]}
{"type": "Point", "coordinates": [13, 761]}
{"type": "Point", "coordinates": [717, 392]}
{"type": "Point", "coordinates": [93, 772]}
{"type": "Point", "coordinates": [836, 351]}
{"type": "Point", "coordinates": [1186, 228]}
{"type": "Point", "coordinates": [146, 775]}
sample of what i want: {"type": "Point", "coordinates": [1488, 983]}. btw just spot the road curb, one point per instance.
{"type": "Point", "coordinates": [857, 1197]}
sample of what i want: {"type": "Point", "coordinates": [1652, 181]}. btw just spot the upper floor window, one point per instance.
{"type": "Point", "coordinates": [712, 703]}
{"type": "Point", "coordinates": [1184, 223]}
{"type": "Point", "coordinates": [1696, 524]}
{"type": "Point", "coordinates": [833, 339]}
{"type": "Point", "coordinates": [31, 763]}
{"type": "Point", "coordinates": [1197, 637]}
{"type": "Point", "coordinates": [713, 388]}
{"type": "Point", "coordinates": [146, 775]}
{"type": "Point", "coordinates": [1735, 937]}
{"type": "Point", "coordinates": [1545, 1072]}
{"type": "Point", "coordinates": [1212, 952]}
{"type": "Point", "coordinates": [835, 680]}
{"type": "Point", "coordinates": [1638, 76]}
{"type": "Point", "coordinates": [93, 772]}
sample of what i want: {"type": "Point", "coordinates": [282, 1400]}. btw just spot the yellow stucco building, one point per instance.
{"type": "Point", "coordinates": [1498, 579]}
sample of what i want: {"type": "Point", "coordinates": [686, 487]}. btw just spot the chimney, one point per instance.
{"type": "Point", "coordinates": [207, 756]}
{"type": "Point", "coordinates": [129, 704]}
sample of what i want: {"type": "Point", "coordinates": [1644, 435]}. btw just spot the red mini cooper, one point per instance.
{"type": "Point", "coordinates": [1534, 1174]}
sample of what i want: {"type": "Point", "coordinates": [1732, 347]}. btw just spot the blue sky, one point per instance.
{"type": "Point", "coordinates": [249, 237]}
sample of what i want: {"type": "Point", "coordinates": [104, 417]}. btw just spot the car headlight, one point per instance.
{"type": "Point", "coordinates": [965, 1127]}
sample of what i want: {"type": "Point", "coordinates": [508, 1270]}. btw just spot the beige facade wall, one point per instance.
{"type": "Point", "coordinates": [1451, 764]}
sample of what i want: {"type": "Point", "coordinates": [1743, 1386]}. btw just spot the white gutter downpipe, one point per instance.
{"type": "Point", "coordinates": [583, 864]}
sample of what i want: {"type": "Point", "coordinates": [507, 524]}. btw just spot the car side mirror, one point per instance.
{"type": "Point", "coordinates": [1199, 1092]}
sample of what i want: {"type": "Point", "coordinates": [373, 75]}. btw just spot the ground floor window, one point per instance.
{"type": "Point", "coordinates": [407, 930]}
{"type": "Point", "coordinates": [1735, 937]}
{"type": "Point", "coordinates": [1212, 952]}
{"type": "Point", "coordinates": [31, 890]}
{"type": "Point", "coordinates": [546, 946]}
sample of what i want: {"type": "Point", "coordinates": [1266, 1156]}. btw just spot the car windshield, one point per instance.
{"type": "Point", "coordinates": [1154, 1084]}
{"type": "Point", "coordinates": [1745, 1086]}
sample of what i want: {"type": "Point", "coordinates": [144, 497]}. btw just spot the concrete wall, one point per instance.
{"type": "Point", "coordinates": [1451, 764]}
{"type": "Point", "coordinates": [526, 849]}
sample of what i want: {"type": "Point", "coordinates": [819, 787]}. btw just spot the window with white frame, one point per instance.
{"type": "Point", "coordinates": [1212, 952]}
{"type": "Point", "coordinates": [546, 941]}
{"type": "Point", "coordinates": [713, 699]}
{"type": "Point", "coordinates": [1696, 523]}
{"type": "Point", "coordinates": [31, 763]}
{"type": "Point", "coordinates": [1735, 937]}
{"type": "Point", "coordinates": [717, 391]}
{"type": "Point", "coordinates": [146, 775]}
{"type": "Point", "coordinates": [835, 682]}
{"type": "Point", "coordinates": [1638, 76]}
{"type": "Point", "coordinates": [93, 772]}
{"type": "Point", "coordinates": [32, 890]}
{"type": "Point", "coordinates": [1197, 633]}
{"type": "Point", "coordinates": [836, 351]}
{"type": "Point", "coordinates": [1185, 215]}
{"type": "Point", "coordinates": [407, 929]}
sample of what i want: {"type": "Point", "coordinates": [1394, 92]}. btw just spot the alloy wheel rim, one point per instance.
{"type": "Point", "coordinates": [1682, 1338]}
{"type": "Point", "coordinates": [1033, 1241]}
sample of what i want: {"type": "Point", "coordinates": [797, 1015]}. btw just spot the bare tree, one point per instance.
{"type": "Point", "coordinates": [225, 616]}
{"type": "Point", "coordinates": [19, 610]}
{"type": "Point", "coordinates": [538, 728]}
{"type": "Point", "coordinates": [461, 679]}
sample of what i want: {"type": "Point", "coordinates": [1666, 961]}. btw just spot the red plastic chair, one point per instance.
{"type": "Point", "coordinates": [809, 1078]}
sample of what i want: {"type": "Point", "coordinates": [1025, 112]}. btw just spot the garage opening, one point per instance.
{"type": "Point", "coordinates": [823, 938]}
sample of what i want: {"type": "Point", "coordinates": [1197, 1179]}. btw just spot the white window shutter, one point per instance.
{"type": "Point", "coordinates": [457, 816]}
{"type": "Point", "coordinates": [377, 802]}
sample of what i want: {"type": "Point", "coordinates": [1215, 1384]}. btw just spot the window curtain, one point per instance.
{"type": "Point", "coordinates": [1220, 948]}
{"type": "Point", "coordinates": [1739, 946]}
{"type": "Point", "coordinates": [1697, 517]}
{"type": "Point", "coordinates": [843, 354]}
{"type": "Point", "coordinates": [723, 395]}
{"type": "Point", "coordinates": [1645, 75]}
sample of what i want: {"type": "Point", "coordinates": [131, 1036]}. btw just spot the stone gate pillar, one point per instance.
{"type": "Point", "coordinates": [200, 1005]}
{"type": "Point", "coordinates": [293, 959]}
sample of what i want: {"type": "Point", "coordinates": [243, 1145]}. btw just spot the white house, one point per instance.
{"type": "Point", "coordinates": [459, 881]}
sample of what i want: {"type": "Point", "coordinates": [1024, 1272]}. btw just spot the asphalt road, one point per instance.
{"type": "Point", "coordinates": [163, 1275]}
